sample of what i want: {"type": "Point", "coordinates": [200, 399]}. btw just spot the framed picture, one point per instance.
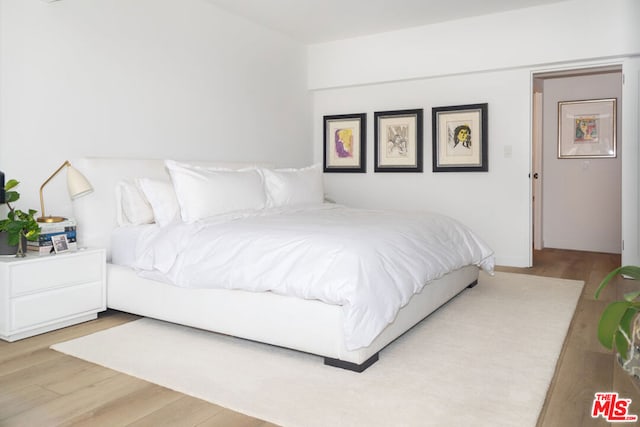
{"type": "Point", "coordinates": [460, 138]}
{"type": "Point", "coordinates": [345, 139]}
{"type": "Point", "coordinates": [398, 141]}
{"type": "Point", "coordinates": [60, 243]}
{"type": "Point", "coordinates": [587, 129]}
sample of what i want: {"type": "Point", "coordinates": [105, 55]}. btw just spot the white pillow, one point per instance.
{"type": "Point", "coordinates": [133, 208]}
{"type": "Point", "coordinates": [290, 187]}
{"type": "Point", "coordinates": [162, 198]}
{"type": "Point", "coordinates": [204, 192]}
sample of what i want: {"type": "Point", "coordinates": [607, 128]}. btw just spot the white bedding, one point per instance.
{"type": "Point", "coordinates": [369, 262]}
{"type": "Point", "coordinates": [123, 252]}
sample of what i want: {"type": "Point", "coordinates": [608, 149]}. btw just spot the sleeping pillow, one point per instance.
{"type": "Point", "coordinates": [290, 187]}
{"type": "Point", "coordinates": [203, 192]}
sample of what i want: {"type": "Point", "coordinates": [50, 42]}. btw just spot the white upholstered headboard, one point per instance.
{"type": "Point", "coordinates": [95, 213]}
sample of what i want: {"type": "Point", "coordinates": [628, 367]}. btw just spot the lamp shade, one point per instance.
{"type": "Point", "coordinates": [77, 184]}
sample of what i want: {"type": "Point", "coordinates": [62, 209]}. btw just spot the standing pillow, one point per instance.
{"type": "Point", "coordinates": [132, 207]}
{"type": "Point", "coordinates": [290, 187]}
{"type": "Point", "coordinates": [162, 199]}
{"type": "Point", "coordinates": [203, 192]}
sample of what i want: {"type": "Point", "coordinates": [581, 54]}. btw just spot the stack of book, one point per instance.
{"type": "Point", "coordinates": [44, 245]}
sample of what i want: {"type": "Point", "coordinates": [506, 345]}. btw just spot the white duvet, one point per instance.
{"type": "Point", "coordinates": [369, 262]}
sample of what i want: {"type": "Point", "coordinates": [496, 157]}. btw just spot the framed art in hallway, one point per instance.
{"type": "Point", "coordinates": [398, 141]}
{"type": "Point", "coordinates": [460, 142]}
{"type": "Point", "coordinates": [345, 140]}
{"type": "Point", "coordinates": [587, 129]}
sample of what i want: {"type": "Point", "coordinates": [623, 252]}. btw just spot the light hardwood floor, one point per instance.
{"type": "Point", "coordinates": [41, 387]}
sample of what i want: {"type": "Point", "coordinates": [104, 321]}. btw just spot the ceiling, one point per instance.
{"type": "Point", "coordinates": [315, 21]}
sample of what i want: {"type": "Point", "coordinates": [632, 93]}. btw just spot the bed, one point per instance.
{"type": "Point", "coordinates": [167, 224]}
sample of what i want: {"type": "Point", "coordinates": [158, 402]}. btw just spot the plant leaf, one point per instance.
{"type": "Point", "coordinates": [626, 270]}
{"type": "Point", "coordinates": [18, 223]}
{"type": "Point", "coordinates": [11, 196]}
{"type": "Point", "coordinates": [606, 280]}
{"type": "Point", "coordinates": [609, 322]}
{"type": "Point", "coordinates": [10, 184]}
{"type": "Point", "coordinates": [632, 271]}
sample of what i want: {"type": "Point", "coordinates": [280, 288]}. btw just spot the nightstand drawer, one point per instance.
{"type": "Point", "coordinates": [48, 307]}
{"type": "Point", "coordinates": [56, 271]}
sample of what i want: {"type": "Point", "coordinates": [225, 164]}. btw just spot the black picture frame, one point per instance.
{"type": "Point", "coordinates": [398, 138]}
{"type": "Point", "coordinates": [345, 143]}
{"type": "Point", "coordinates": [450, 153]}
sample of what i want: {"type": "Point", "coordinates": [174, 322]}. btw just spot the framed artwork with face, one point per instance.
{"type": "Point", "coordinates": [460, 138]}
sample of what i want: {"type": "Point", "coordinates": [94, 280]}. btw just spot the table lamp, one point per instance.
{"type": "Point", "coordinates": [77, 185]}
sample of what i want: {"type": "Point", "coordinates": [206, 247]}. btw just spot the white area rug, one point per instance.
{"type": "Point", "coordinates": [484, 359]}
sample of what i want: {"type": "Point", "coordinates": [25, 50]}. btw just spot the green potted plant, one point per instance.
{"type": "Point", "coordinates": [18, 226]}
{"type": "Point", "coordinates": [619, 325]}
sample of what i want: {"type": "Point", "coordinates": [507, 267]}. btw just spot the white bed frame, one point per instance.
{"type": "Point", "coordinates": [305, 325]}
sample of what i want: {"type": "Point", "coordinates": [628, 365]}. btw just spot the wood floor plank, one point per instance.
{"type": "Point", "coordinates": [33, 358]}
{"type": "Point", "coordinates": [130, 408]}
{"type": "Point", "coordinates": [583, 333]}
{"type": "Point", "coordinates": [76, 406]}
{"type": "Point", "coordinates": [185, 411]}
{"type": "Point", "coordinates": [16, 400]}
{"type": "Point", "coordinates": [87, 376]}
{"type": "Point", "coordinates": [45, 373]}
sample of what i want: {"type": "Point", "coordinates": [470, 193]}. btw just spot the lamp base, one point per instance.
{"type": "Point", "coordinates": [51, 219]}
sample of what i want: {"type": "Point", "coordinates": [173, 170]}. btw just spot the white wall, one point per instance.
{"type": "Point", "coordinates": [482, 59]}
{"type": "Point", "coordinates": [581, 197]}
{"type": "Point", "coordinates": [554, 33]}
{"type": "Point", "coordinates": [146, 78]}
{"type": "Point", "coordinates": [490, 203]}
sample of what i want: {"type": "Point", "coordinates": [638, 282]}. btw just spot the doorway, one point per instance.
{"type": "Point", "coordinates": [576, 203]}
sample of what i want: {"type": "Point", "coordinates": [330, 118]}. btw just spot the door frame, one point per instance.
{"type": "Point", "coordinates": [629, 220]}
{"type": "Point", "coordinates": [536, 170]}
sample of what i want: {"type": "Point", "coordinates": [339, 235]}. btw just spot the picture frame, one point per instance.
{"type": "Point", "coordinates": [345, 143]}
{"type": "Point", "coordinates": [460, 138]}
{"type": "Point", "coordinates": [60, 243]}
{"type": "Point", "coordinates": [587, 129]}
{"type": "Point", "coordinates": [398, 141]}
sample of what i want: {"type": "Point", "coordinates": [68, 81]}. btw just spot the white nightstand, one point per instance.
{"type": "Point", "coordinates": [42, 293]}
